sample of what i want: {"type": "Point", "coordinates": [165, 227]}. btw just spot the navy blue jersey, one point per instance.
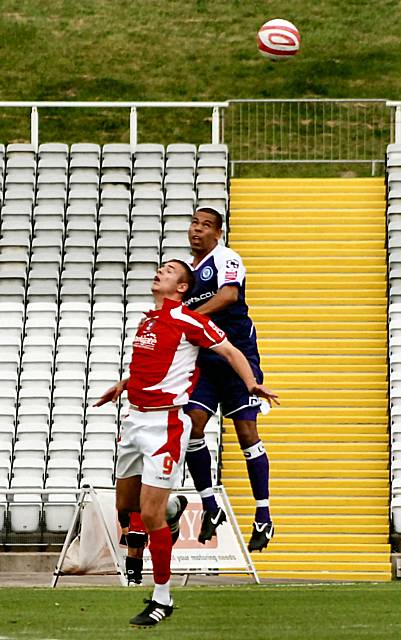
{"type": "Point", "coordinates": [223, 267]}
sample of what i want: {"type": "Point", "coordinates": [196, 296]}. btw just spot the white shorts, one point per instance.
{"type": "Point", "coordinates": [153, 445]}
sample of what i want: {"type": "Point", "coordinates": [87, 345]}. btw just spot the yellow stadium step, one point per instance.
{"type": "Point", "coordinates": [323, 466]}
{"type": "Point", "coordinates": [316, 281]}
{"type": "Point", "coordinates": [315, 502]}
{"type": "Point", "coordinates": [325, 183]}
{"type": "Point", "coordinates": [319, 380]}
{"type": "Point", "coordinates": [310, 562]}
{"type": "Point", "coordinates": [305, 230]}
{"type": "Point", "coordinates": [305, 183]}
{"type": "Point", "coordinates": [275, 559]}
{"type": "Point", "coordinates": [309, 415]}
{"type": "Point", "coordinates": [303, 234]}
{"type": "Point", "coordinates": [260, 201]}
{"type": "Point", "coordinates": [340, 510]}
{"type": "Point", "coordinates": [315, 253]}
{"type": "Point", "coordinates": [307, 486]}
{"type": "Point", "coordinates": [312, 471]}
{"type": "Point", "coordinates": [279, 435]}
{"type": "Point", "coordinates": [351, 313]}
{"type": "Point", "coordinates": [286, 438]}
{"type": "Point", "coordinates": [303, 190]}
{"type": "Point", "coordinates": [328, 346]}
{"type": "Point", "coordinates": [339, 576]}
{"type": "Point", "coordinates": [314, 185]}
{"type": "Point", "coordinates": [290, 422]}
{"type": "Point", "coordinates": [327, 330]}
{"type": "Point", "coordinates": [334, 362]}
{"type": "Point", "coordinates": [348, 449]}
{"type": "Point", "coordinates": [302, 297]}
{"type": "Point", "coordinates": [318, 524]}
{"type": "Point", "coordinates": [281, 449]}
{"type": "Point", "coordinates": [304, 217]}
{"type": "Point", "coordinates": [311, 265]}
{"type": "Point", "coordinates": [329, 547]}
{"type": "Point", "coordinates": [351, 490]}
{"type": "Point", "coordinates": [312, 249]}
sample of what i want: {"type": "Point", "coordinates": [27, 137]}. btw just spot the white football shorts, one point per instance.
{"type": "Point", "coordinates": [153, 445]}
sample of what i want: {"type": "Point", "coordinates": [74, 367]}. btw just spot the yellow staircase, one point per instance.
{"type": "Point", "coordinates": [316, 262]}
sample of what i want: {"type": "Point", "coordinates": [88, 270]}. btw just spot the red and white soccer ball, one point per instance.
{"type": "Point", "coordinates": [278, 40]}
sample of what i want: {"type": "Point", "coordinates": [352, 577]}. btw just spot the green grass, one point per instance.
{"type": "Point", "coordinates": [183, 50]}
{"type": "Point", "coordinates": [320, 612]}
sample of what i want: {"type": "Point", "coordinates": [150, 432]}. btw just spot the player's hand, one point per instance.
{"type": "Point", "coordinates": [261, 391]}
{"type": "Point", "coordinates": [111, 395]}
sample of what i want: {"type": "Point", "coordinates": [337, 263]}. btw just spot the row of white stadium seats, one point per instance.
{"type": "Point", "coordinates": [76, 280]}
{"type": "Point", "coordinates": [394, 258]}
{"type": "Point", "coordinates": [54, 150]}
{"type": "Point", "coordinates": [26, 511]}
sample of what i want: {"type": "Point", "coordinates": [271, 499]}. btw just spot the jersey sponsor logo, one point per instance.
{"type": "Point", "coordinates": [147, 341]}
{"type": "Point", "coordinates": [206, 274]}
{"type": "Point", "coordinates": [200, 298]}
{"type": "Point", "coordinates": [231, 275]}
{"type": "Point", "coordinates": [232, 264]}
{"type": "Point", "coordinates": [216, 329]}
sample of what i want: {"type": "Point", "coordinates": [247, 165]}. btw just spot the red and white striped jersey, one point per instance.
{"type": "Point", "coordinates": [163, 368]}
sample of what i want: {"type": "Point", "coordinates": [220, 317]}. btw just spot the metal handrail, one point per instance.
{"type": "Point", "coordinates": [34, 105]}
{"type": "Point", "coordinates": [397, 120]}
{"type": "Point", "coordinates": [309, 130]}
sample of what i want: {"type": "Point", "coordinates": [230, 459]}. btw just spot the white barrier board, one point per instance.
{"type": "Point", "coordinates": [97, 549]}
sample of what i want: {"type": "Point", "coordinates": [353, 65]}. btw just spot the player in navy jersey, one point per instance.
{"type": "Point", "coordinates": [219, 292]}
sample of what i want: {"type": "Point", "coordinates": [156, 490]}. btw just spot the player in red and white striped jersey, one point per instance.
{"type": "Point", "coordinates": [156, 431]}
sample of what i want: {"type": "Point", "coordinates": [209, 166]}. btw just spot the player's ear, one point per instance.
{"type": "Point", "coordinates": [182, 287]}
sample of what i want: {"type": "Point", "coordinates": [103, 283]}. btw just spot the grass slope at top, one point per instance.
{"type": "Point", "coordinates": [334, 612]}
{"type": "Point", "coordinates": [183, 50]}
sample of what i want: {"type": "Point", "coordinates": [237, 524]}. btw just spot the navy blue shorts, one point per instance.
{"type": "Point", "coordinates": [219, 384]}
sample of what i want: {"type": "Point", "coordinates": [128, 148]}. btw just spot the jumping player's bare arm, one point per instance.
{"type": "Point", "coordinates": [222, 298]}
{"type": "Point", "coordinates": [241, 365]}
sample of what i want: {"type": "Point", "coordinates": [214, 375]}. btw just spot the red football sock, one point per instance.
{"type": "Point", "coordinates": [160, 547]}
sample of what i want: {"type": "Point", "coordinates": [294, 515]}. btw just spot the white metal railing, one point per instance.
{"type": "Point", "coordinates": [396, 106]}
{"type": "Point", "coordinates": [309, 131]}
{"type": "Point", "coordinates": [133, 111]}
{"type": "Point", "coordinates": [273, 131]}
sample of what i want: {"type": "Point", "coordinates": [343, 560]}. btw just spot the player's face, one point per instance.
{"type": "Point", "coordinates": [167, 280]}
{"type": "Point", "coordinates": [203, 233]}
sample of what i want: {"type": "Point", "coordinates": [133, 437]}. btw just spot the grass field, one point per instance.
{"type": "Point", "coordinates": [273, 612]}
{"type": "Point", "coordinates": [183, 50]}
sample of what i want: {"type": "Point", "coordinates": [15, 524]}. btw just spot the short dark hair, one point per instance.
{"type": "Point", "coordinates": [187, 277]}
{"type": "Point", "coordinates": [213, 212]}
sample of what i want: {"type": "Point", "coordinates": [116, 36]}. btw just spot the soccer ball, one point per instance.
{"type": "Point", "coordinates": [278, 40]}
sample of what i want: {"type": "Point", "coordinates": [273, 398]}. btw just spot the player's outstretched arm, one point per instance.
{"type": "Point", "coordinates": [241, 365]}
{"type": "Point", "coordinates": [112, 394]}
{"type": "Point", "coordinates": [223, 298]}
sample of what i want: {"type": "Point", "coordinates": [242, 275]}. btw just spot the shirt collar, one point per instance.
{"type": "Point", "coordinates": [168, 304]}
{"type": "Point", "coordinates": [207, 256]}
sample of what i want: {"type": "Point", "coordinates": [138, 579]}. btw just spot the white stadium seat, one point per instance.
{"type": "Point", "coordinates": [83, 231]}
